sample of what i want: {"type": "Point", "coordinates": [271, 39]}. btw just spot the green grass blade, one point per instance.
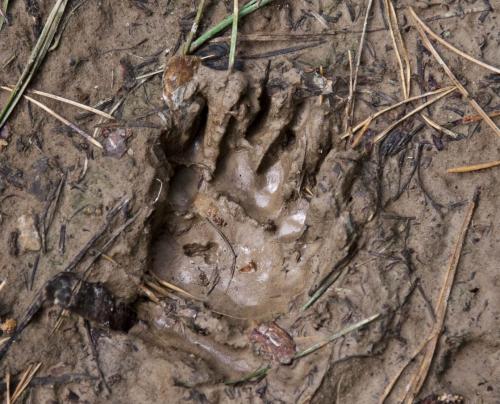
{"type": "Point", "coordinates": [195, 26]}
{"type": "Point", "coordinates": [257, 374]}
{"type": "Point", "coordinates": [36, 58]}
{"type": "Point", "coordinates": [234, 36]}
{"type": "Point", "coordinates": [248, 8]}
{"type": "Point", "coordinates": [341, 333]}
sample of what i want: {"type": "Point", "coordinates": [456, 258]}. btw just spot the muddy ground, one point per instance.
{"type": "Point", "coordinates": [238, 189]}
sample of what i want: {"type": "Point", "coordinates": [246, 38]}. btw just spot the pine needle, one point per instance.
{"type": "Point", "coordinates": [438, 127]}
{"type": "Point", "coordinates": [65, 101]}
{"type": "Point", "coordinates": [81, 132]}
{"type": "Point", "coordinates": [36, 58]}
{"type": "Point", "coordinates": [399, 47]}
{"type": "Point", "coordinates": [450, 74]}
{"type": "Point", "coordinates": [173, 287]}
{"type": "Point", "coordinates": [390, 108]}
{"type": "Point", "coordinates": [442, 304]}
{"type": "Point", "coordinates": [451, 47]}
{"type": "Point", "coordinates": [234, 36]}
{"type": "Point", "coordinates": [386, 131]}
{"type": "Point", "coordinates": [358, 63]}
{"type": "Point", "coordinates": [474, 167]}
{"type": "Point", "coordinates": [25, 381]}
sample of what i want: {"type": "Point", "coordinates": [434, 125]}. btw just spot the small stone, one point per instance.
{"type": "Point", "coordinates": [28, 240]}
{"type": "Point", "coordinates": [115, 143]}
{"type": "Point", "coordinates": [3, 144]}
{"type": "Point", "coordinates": [8, 326]}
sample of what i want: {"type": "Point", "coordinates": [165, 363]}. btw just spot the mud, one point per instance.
{"type": "Point", "coordinates": [237, 188]}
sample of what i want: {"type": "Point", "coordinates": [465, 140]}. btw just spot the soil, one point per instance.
{"type": "Point", "coordinates": [238, 189]}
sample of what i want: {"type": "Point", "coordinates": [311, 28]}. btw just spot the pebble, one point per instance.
{"type": "Point", "coordinates": [28, 240]}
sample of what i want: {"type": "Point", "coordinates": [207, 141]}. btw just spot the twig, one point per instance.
{"type": "Point", "coordinates": [451, 47]}
{"type": "Point", "coordinates": [442, 304]}
{"type": "Point", "coordinates": [450, 74]}
{"type": "Point", "coordinates": [234, 35]}
{"type": "Point", "coordinates": [384, 133]}
{"type": "Point", "coordinates": [474, 167]}
{"type": "Point", "coordinates": [37, 56]}
{"type": "Point", "coordinates": [194, 27]}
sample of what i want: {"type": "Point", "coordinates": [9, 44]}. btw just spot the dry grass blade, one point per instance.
{"type": "Point", "coordinates": [438, 127]}
{"type": "Point", "coordinates": [388, 389]}
{"type": "Point", "coordinates": [442, 304]}
{"type": "Point", "coordinates": [195, 26]}
{"type": "Point", "coordinates": [81, 132]}
{"type": "Point", "coordinates": [347, 330]}
{"type": "Point", "coordinates": [474, 167]}
{"type": "Point", "coordinates": [393, 106]}
{"type": "Point", "coordinates": [450, 74]}
{"type": "Point", "coordinates": [25, 381]}
{"type": "Point", "coordinates": [399, 47]}
{"type": "Point", "coordinates": [234, 35]}
{"type": "Point", "coordinates": [384, 133]}
{"type": "Point", "coordinates": [36, 58]}
{"type": "Point", "coordinates": [451, 47]}
{"type": "Point", "coordinates": [3, 10]}
{"type": "Point", "coordinates": [347, 126]}
{"type": "Point", "coordinates": [358, 63]}
{"type": "Point", "coordinates": [66, 101]}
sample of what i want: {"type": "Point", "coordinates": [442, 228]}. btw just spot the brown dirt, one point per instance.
{"type": "Point", "coordinates": [246, 173]}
